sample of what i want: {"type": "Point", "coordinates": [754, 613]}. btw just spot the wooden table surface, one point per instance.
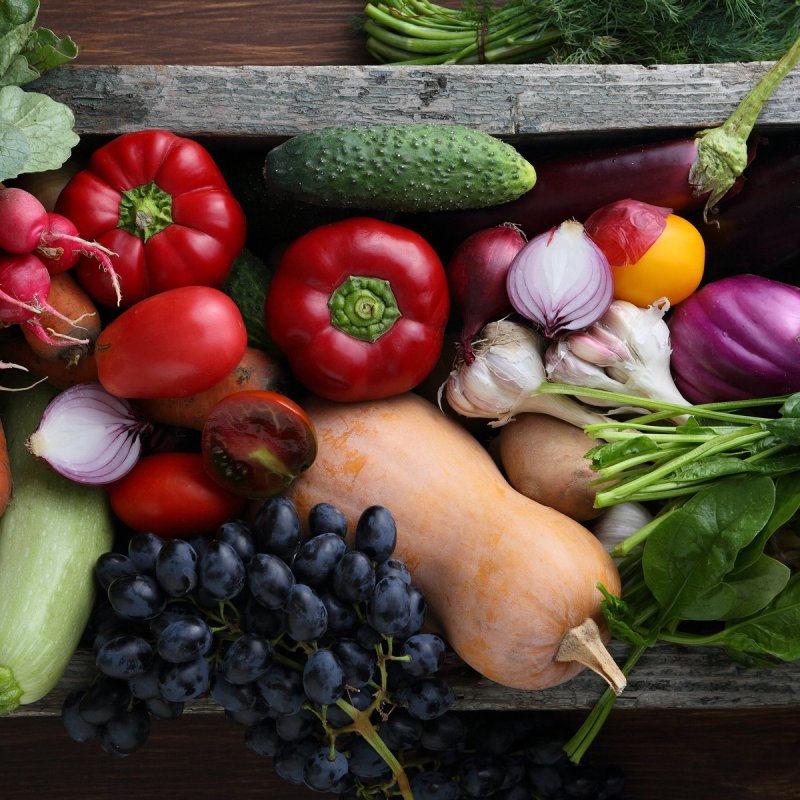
{"type": "Point", "coordinates": [711, 755]}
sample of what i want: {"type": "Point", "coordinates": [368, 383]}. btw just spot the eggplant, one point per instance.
{"type": "Point", "coordinates": [758, 230]}
{"type": "Point", "coordinates": [683, 174]}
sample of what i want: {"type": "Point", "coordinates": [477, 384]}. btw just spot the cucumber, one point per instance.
{"type": "Point", "coordinates": [247, 284]}
{"type": "Point", "coordinates": [51, 534]}
{"type": "Point", "coordinates": [403, 168]}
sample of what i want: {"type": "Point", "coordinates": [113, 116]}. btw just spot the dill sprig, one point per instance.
{"type": "Point", "coordinates": [580, 31]}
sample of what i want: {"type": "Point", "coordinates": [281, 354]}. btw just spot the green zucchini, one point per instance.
{"type": "Point", "coordinates": [403, 168]}
{"type": "Point", "coordinates": [51, 534]}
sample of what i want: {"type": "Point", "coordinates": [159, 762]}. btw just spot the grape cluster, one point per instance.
{"type": "Point", "coordinates": [316, 647]}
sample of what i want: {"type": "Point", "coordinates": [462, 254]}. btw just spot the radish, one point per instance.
{"type": "Point", "coordinates": [29, 228]}
{"type": "Point", "coordinates": [24, 286]}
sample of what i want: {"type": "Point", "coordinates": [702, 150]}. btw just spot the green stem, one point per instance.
{"type": "Point", "coordinates": [635, 539]}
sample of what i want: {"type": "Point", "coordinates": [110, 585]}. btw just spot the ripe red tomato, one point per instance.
{"type": "Point", "coordinates": [172, 495]}
{"type": "Point", "coordinates": [173, 344]}
{"type": "Point", "coordinates": [256, 442]}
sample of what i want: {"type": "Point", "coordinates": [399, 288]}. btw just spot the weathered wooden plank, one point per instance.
{"type": "Point", "coordinates": [509, 101]}
{"type": "Point", "coordinates": [666, 678]}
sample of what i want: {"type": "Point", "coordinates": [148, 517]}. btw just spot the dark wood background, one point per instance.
{"type": "Point", "coordinates": [711, 755]}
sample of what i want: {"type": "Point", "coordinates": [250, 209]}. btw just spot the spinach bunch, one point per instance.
{"type": "Point", "coordinates": [725, 481]}
{"type": "Point", "coordinates": [36, 132]}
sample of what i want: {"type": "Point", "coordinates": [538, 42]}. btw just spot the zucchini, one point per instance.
{"type": "Point", "coordinates": [51, 535]}
{"type": "Point", "coordinates": [403, 168]}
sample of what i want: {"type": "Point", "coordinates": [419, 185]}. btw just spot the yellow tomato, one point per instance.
{"type": "Point", "coordinates": [671, 268]}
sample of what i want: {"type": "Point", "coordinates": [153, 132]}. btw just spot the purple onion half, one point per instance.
{"type": "Point", "coordinates": [737, 338]}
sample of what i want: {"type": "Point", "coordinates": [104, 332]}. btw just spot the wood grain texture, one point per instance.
{"type": "Point", "coordinates": [515, 102]}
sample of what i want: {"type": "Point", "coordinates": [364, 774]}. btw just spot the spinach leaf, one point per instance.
{"type": "Point", "coordinates": [772, 632]}
{"type": "Point", "coordinates": [753, 588]}
{"type": "Point", "coordinates": [686, 558]}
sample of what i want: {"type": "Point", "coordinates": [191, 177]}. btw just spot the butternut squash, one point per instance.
{"type": "Point", "coordinates": [513, 583]}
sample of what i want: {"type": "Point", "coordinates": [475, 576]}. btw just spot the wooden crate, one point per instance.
{"type": "Point", "coordinates": [252, 107]}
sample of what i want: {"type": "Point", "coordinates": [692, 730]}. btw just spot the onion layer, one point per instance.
{"type": "Point", "coordinates": [88, 435]}
{"type": "Point", "coordinates": [560, 280]}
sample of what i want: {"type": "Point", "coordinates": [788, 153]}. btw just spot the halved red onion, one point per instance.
{"type": "Point", "coordinates": [88, 435]}
{"type": "Point", "coordinates": [560, 280]}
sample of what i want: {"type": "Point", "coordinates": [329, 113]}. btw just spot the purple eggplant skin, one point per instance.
{"type": "Point", "coordinates": [758, 230]}
{"type": "Point", "coordinates": [573, 185]}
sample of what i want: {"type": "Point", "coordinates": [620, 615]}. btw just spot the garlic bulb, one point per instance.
{"type": "Point", "coordinates": [619, 522]}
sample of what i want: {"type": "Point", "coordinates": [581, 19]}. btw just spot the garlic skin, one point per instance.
{"type": "Point", "coordinates": [626, 351]}
{"type": "Point", "coordinates": [504, 377]}
{"type": "Point", "coordinates": [619, 522]}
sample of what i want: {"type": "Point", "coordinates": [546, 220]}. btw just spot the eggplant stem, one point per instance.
{"type": "Point", "coordinates": [584, 644]}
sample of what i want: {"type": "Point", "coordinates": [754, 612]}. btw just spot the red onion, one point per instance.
{"type": "Point", "coordinates": [561, 280]}
{"type": "Point", "coordinates": [737, 338]}
{"type": "Point", "coordinates": [476, 276]}
{"type": "Point", "coordinates": [88, 435]}
{"type": "Point", "coordinates": [627, 229]}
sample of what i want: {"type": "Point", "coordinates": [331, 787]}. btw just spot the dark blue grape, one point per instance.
{"type": "Point", "coordinates": [124, 657]}
{"type": "Point", "coordinates": [176, 567]}
{"type": "Point", "coordinates": [185, 640]}
{"type": "Point", "coordinates": [519, 791]}
{"type": "Point", "coordinates": [433, 785]}
{"type": "Point", "coordinates": [171, 612]}
{"type": "Point", "coordinates": [103, 699]}
{"type": "Point", "coordinates": [426, 651]}
{"type": "Point", "coordinates": [291, 727]}
{"type": "Point", "coordinates": [418, 607]}
{"type": "Point", "coordinates": [250, 716]}
{"type": "Point", "coordinates": [393, 566]}
{"type": "Point", "coordinates": [160, 708]}
{"type": "Point", "coordinates": [579, 782]}
{"type": "Point", "coordinates": [548, 751]}
{"type": "Point", "coordinates": [365, 762]}
{"type": "Point", "coordinates": [342, 616]}
{"type": "Point", "coordinates": [354, 577]}
{"type": "Point", "coordinates": [277, 527]}
{"type": "Point", "coordinates": [400, 730]}
{"type": "Point", "coordinates": [112, 565]}
{"type": "Point", "coordinates": [262, 738]}
{"type": "Point", "coordinates": [77, 728]}
{"type": "Point", "coordinates": [199, 543]}
{"type": "Point", "coordinates": [324, 769]}
{"type": "Point", "coordinates": [481, 775]}
{"type": "Point", "coordinates": [390, 606]}
{"type": "Point", "coordinates": [289, 762]}
{"type": "Point", "coordinates": [325, 518]}
{"type": "Point", "coordinates": [231, 696]}
{"type": "Point", "coordinates": [145, 685]}
{"type": "Point", "coordinates": [185, 681]}
{"type": "Point", "coordinates": [426, 699]}
{"type": "Point", "coordinates": [126, 731]}
{"type": "Point", "coordinates": [136, 597]}
{"type": "Point", "coordinates": [544, 779]}
{"type": "Point", "coordinates": [360, 699]}
{"type": "Point", "coordinates": [247, 658]}
{"type": "Point", "coordinates": [282, 689]}
{"type": "Point", "coordinates": [269, 579]}
{"type": "Point", "coordinates": [323, 677]}
{"type": "Point", "coordinates": [447, 732]}
{"type": "Point", "coordinates": [239, 535]}
{"type": "Point", "coordinates": [359, 665]}
{"type": "Point", "coordinates": [261, 621]}
{"type": "Point", "coordinates": [376, 533]}
{"type": "Point", "coordinates": [316, 559]}
{"type": "Point", "coordinates": [142, 550]}
{"type": "Point", "coordinates": [367, 637]}
{"type": "Point", "coordinates": [222, 572]}
{"type": "Point", "coordinates": [105, 624]}
{"type": "Point", "coordinates": [305, 615]}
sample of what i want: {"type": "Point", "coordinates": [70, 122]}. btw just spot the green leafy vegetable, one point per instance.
{"type": "Point", "coordinates": [579, 31]}
{"type": "Point", "coordinates": [36, 132]}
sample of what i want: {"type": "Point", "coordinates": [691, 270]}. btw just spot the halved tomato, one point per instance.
{"type": "Point", "coordinates": [256, 442]}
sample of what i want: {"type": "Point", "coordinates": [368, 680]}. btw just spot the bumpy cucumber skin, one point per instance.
{"type": "Point", "coordinates": [406, 167]}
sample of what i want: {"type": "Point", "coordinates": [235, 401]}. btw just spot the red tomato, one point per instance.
{"type": "Point", "coordinates": [255, 443]}
{"type": "Point", "coordinates": [172, 495]}
{"type": "Point", "coordinates": [172, 344]}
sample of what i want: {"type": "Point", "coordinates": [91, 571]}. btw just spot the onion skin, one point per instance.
{"type": "Point", "coordinates": [737, 338]}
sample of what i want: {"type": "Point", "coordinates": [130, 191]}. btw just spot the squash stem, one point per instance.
{"type": "Point", "coordinates": [584, 644]}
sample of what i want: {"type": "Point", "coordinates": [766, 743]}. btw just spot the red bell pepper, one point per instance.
{"type": "Point", "coordinates": [161, 204]}
{"type": "Point", "coordinates": [359, 309]}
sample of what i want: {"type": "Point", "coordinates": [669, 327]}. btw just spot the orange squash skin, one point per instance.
{"type": "Point", "coordinates": [504, 576]}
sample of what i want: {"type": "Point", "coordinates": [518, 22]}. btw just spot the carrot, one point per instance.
{"type": "Point", "coordinates": [256, 370]}
{"type": "Point", "coordinates": [5, 472]}
{"type": "Point", "coordinates": [59, 373]}
{"type": "Point", "coordinates": [69, 299]}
